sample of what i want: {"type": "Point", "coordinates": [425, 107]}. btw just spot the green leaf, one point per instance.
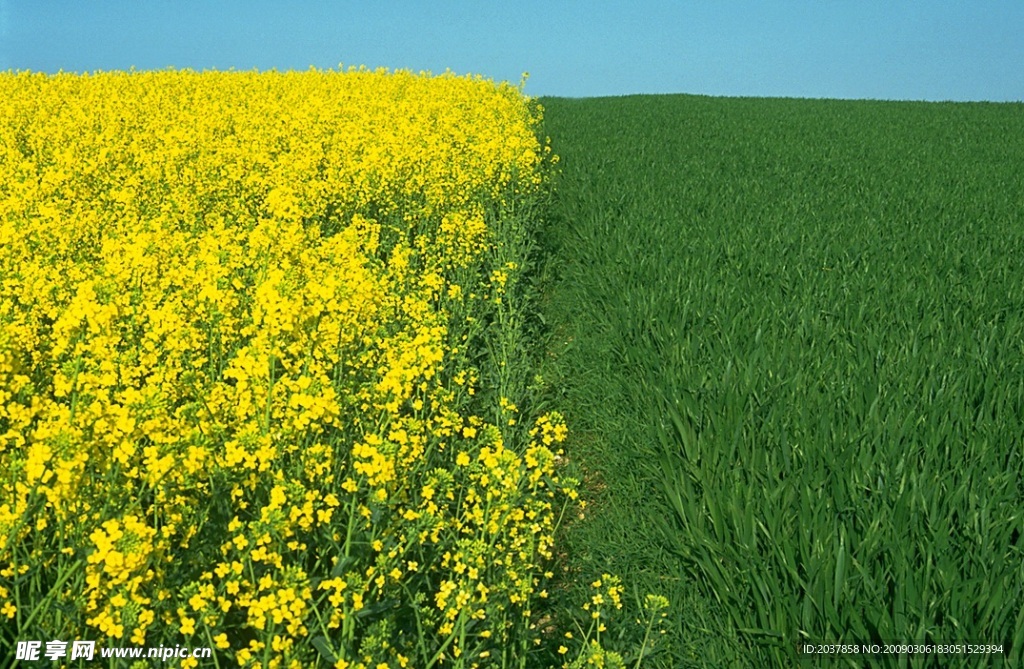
{"type": "Point", "coordinates": [323, 647]}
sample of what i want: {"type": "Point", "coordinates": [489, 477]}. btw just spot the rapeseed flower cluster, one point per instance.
{"type": "Point", "coordinates": [241, 363]}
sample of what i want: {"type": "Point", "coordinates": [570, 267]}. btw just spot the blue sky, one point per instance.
{"type": "Point", "coordinates": [883, 49]}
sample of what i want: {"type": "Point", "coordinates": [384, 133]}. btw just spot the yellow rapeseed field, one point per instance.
{"type": "Point", "coordinates": [239, 400]}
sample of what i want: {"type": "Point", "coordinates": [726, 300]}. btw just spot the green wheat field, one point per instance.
{"type": "Point", "coordinates": [789, 338]}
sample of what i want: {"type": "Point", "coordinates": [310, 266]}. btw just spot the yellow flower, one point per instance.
{"type": "Point", "coordinates": [232, 339]}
